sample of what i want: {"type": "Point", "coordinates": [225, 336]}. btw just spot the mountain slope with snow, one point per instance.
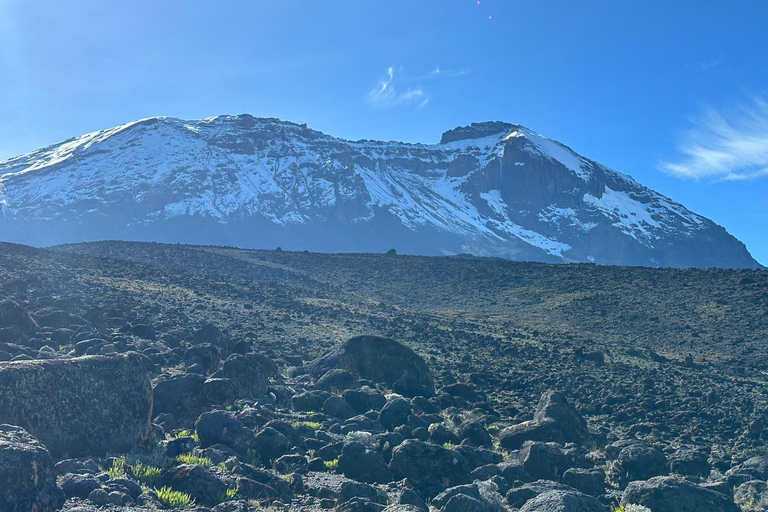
{"type": "Point", "coordinates": [491, 189]}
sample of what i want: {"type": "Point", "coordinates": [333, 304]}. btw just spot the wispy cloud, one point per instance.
{"type": "Point", "coordinates": [713, 63]}
{"type": "Point", "coordinates": [725, 145]}
{"type": "Point", "coordinates": [399, 88]}
{"type": "Point", "coordinates": [388, 92]}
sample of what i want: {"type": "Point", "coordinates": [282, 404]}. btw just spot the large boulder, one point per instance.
{"type": "Point", "coordinates": [675, 494]}
{"type": "Point", "coordinates": [564, 501]}
{"type": "Point", "coordinates": [359, 463]}
{"type": "Point", "coordinates": [27, 478]}
{"type": "Point", "coordinates": [637, 461]}
{"type": "Point", "coordinates": [182, 395]}
{"type": "Point", "coordinates": [13, 315]}
{"type": "Point", "coordinates": [249, 373]}
{"type": "Point", "coordinates": [429, 467]}
{"type": "Point", "coordinates": [87, 405]}
{"type": "Point", "coordinates": [380, 360]}
{"type": "Point", "coordinates": [554, 421]}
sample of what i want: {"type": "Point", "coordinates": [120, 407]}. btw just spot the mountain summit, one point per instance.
{"type": "Point", "coordinates": [490, 189]}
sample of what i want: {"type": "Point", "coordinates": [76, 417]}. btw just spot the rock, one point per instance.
{"type": "Point", "coordinates": [689, 463]}
{"type": "Point", "coordinates": [205, 354]}
{"type": "Point", "coordinates": [310, 400]}
{"type": "Point", "coordinates": [518, 496]}
{"type": "Point", "coordinates": [380, 360]}
{"type": "Point", "coordinates": [180, 395]}
{"type": "Point", "coordinates": [554, 420]}
{"type": "Point", "coordinates": [404, 508]}
{"type": "Point", "coordinates": [752, 495]}
{"type": "Point", "coordinates": [337, 407]}
{"type": "Point", "coordinates": [364, 400]}
{"type": "Point", "coordinates": [429, 467]}
{"type": "Point", "coordinates": [27, 478]}
{"type": "Point", "coordinates": [222, 427]}
{"type": "Point", "coordinates": [756, 467]}
{"type": "Point", "coordinates": [209, 333]}
{"type": "Point", "coordinates": [13, 315]}
{"type": "Point", "coordinates": [545, 461]}
{"type": "Point", "coordinates": [439, 434]}
{"type": "Point", "coordinates": [271, 444]}
{"type": "Point", "coordinates": [395, 413]}
{"type": "Point", "coordinates": [79, 486]}
{"type": "Point", "coordinates": [359, 505]}
{"type": "Point", "coordinates": [88, 405]}
{"type": "Point", "coordinates": [563, 501]}
{"type": "Point", "coordinates": [674, 494]}
{"type": "Point", "coordinates": [638, 461]}
{"type": "Point", "coordinates": [219, 391]}
{"type": "Point", "coordinates": [249, 373]}
{"type": "Point", "coordinates": [474, 433]}
{"type": "Point", "coordinates": [368, 492]}
{"type": "Point", "coordinates": [232, 506]}
{"type": "Point", "coordinates": [359, 463]}
{"type": "Point", "coordinates": [336, 380]}
{"type": "Point", "coordinates": [588, 481]}
{"type": "Point", "coordinates": [199, 483]}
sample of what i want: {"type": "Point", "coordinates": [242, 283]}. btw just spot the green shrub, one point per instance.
{"type": "Point", "coordinates": [174, 499]}
{"type": "Point", "coordinates": [117, 470]}
{"type": "Point", "coordinates": [148, 475]}
{"type": "Point", "coordinates": [188, 458]}
{"type": "Point", "coordinates": [332, 464]}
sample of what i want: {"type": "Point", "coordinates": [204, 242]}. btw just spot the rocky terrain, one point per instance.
{"type": "Point", "coordinates": [488, 189]}
{"type": "Point", "coordinates": [368, 382]}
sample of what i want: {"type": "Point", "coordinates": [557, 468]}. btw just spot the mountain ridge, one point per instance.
{"type": "Point", "coordinates": [490, 189]}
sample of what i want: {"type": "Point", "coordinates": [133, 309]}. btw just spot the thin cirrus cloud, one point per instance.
{"type": "Point", "coordinates": [388, 92]}
{"type": "Point", "coordinates": [396, 88]}
{"type": "Point", "coordinates": [729, 145]}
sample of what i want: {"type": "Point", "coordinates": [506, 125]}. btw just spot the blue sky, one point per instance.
{"type": "Point", "coordinates": [673, 93]}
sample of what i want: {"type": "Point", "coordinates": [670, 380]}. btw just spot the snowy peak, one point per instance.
{"type": "Point", "coordinates": [493, 189]}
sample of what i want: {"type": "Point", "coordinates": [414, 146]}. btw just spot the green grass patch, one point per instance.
{"type": "Point", "coordinates": [332, 464]}
{"type": "Point", "coordinates": [117, 470]}
{"type": "Point", "coordinates": [147, 475]}
{"type": "Point", "coordinates": [188, 433]}
{"type": "Point", "coordinates": [311, 424]}
{"type": "Point", "coordinates": [189, 458]}
{"type": "Point", "coordinates": [174, 499]}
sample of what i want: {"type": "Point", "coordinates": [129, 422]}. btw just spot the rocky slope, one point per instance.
{"type": "Point", "coordinates": [492, 189]}
{"type": "Point", "coordinates": [511, 386]}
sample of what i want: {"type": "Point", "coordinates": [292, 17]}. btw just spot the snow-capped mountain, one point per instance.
{"type": "Point", "coordinates": [491, 189]}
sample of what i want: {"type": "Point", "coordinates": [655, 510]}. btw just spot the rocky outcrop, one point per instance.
{"type": "Point", "coordinates": [87, 405]}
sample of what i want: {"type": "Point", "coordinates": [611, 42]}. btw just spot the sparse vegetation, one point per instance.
{"type": "Point", "coordinates": [332, 465]}
{"type": "Point", "coordinates": [147, 475]}
{"type": "Point", "coordinates": [174, 499]}
{"type": "Point", "coordinates": [311, 424]}
{"type": "Point", "coordinates": [117, 470]}
{"type": "Point", "coordinates": [189, 458]}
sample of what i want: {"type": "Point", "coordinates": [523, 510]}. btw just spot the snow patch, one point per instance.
{"type": "Point", "coordinates": [628, 214]}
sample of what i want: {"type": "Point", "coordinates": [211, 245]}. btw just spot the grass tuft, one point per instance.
{"type": "Point", "coordinates": [189, 458]}
{"type": "Point", "coordinates": [174, 499]}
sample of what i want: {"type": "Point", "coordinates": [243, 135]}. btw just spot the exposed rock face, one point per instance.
{"type": "Point", "coordinates": [493, 189]}
{"type": "Point", "coordinates": [380, 360]}
{"type": "Point", "coordinates": [27, 479]}
{"type": "Point", "coordinates": [87, 405]}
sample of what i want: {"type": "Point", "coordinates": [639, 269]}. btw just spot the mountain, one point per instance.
{"type": "Point", "coordinates": [489, 189]}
